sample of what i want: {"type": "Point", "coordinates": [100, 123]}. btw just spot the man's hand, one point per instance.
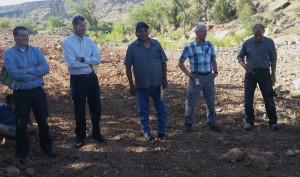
{"type": "Point", "coordinates": [24, 70]}
{"type": "Point", "coordinates": [132, 90]}
{"type": "Point", "coordinates": [273, 79]}
{"type": "Point", "coordinates": [165, 83]}
{"type": "Point", "coordinates": [249, 70]}
{"type": "Point", "coordinates": [215, 75]}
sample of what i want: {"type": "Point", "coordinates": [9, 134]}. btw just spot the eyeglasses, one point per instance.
{"type": "Point", "coordinates": [23, 35]}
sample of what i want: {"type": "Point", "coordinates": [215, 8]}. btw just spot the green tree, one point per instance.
{"type": "Point", "coordinates": [223, 11]}
{"type": "Point", "coordinates": [54, 22]}
{"type": "Point", "coordinates": [30, 25]}
{"type": "Point", "coordinates": [4, 23]}
{"type": "Point", "coordinates": [245, 13]}
{"type": "Point", "coordinates": [241, 3]}
{"type": "Point", "coordinates": [86, 9]}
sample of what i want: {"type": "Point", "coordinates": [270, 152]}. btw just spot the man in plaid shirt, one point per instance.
{"type": "Point", "coordinates": [202, 59]}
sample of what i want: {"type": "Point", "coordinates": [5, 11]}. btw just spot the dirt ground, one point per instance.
{"type": "Point", "coordinates": [126, 153]}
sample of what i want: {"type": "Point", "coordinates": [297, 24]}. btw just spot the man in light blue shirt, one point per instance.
{"type": "Point", "coordinates": [80, 54]}
{"type": "Point", "coordinates": [27, 65]}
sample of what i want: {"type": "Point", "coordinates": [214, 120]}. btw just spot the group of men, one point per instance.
{"type": "Point", "coordinates": [146, 56]}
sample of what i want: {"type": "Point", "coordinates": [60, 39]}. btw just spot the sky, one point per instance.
{"type": "Point", "coordinates": [11, 2]}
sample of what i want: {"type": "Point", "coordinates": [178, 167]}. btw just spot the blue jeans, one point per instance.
{"type": "Point", "coordinates": [206, 84]}
{"type": "Point", "coordinates": [262, 77]}
{"type": "Point", "coordinates": [82, 88]}
{"type": "Point", "coordinates": [142, 97]}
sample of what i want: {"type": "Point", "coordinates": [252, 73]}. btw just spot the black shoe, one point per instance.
{"type": "Point", "coordinates": [99, 138]}
{"type": "Point", "coordinates": [51, 152]}
{"type": "Point", "coordinates": [274, 127]}
{"type": "Point", "coordinates": [188, 127]}
{"type": "Point", "coordinates": [216, 128]}
{"type": "Point", "coordinates": [22, 159]}
{"type": "Point", "coordinates": [79, 143]}
{"type": "Point", "coordinates": [162, 136]}
{"type": "Point", "coordinates": [148, 136]}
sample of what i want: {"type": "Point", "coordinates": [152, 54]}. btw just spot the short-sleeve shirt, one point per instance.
{"type": "Point", "coordinates": [200, 56]}
{"type": "Point", "coordinates": [6, 115]}
{"type": "Point", "coordinates": [259, 53]}
{"type": "Point", "coordinates": [146, 62]}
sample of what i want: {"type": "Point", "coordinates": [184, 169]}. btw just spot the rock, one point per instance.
{"type": "Point", "coordinates": [297, 83]}
{"type": "Point", "coordinates": [29, 172]}
{"type": "Point", "coordinates": [13, 171]}
{"type": "Point", "coordinates": [219, 109]}
{"type": "Point", "coordinates": [234, 155]}
{"type": "Point", "coordinates": [297, 151]}
{"type": "Point", "coordinates": [261, 164]}
{"type": "Point", "coordinates": [192, 35]}
{"type": "Point", "coordinates": [295, 94]}
{"type": "Point", "coordinates": [278, 5]}
{"type": "Point", "coordinates": [119, 137]}
{"type": "Point", "coordinates": [245, 138]}
{"type": "Point", "coordinates": [290, 153]}
{"type": "Point", "coordinates": [125, 40]}
{"type": "Point", "coordinates": [221, 35]}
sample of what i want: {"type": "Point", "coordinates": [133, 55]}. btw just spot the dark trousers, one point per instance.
{"type": "Point", "coordinates": [262, 77]}
{"type": "Point", "coordinates": [86, 87]}
{"type": "Point", "coordinates": [23, 101]}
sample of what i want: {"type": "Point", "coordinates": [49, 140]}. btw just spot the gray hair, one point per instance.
{"type": "Point", "coordinates": [198, 27]}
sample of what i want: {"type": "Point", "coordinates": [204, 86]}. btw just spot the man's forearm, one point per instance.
{"type": "Point", "coordinates": [183, 68]}
{"type": "Point", "coordinates": [215, 65]}
{"type": "Point", "coordinates": [164, 70]}
{"type": "Point", "coordinates": [273, 67]}
{"type": "Point", "coordinates": [129, 75]}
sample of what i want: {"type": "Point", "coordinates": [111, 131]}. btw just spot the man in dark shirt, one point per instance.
{"type": "Point", "coordinates": [261, 54]}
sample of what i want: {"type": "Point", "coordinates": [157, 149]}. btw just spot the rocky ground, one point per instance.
{"type": "Point", "coordinates": [234, 152]}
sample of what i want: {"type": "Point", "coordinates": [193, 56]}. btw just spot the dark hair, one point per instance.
{"type": "Point", "coordinates": [76, 19]}
{"type": "Point", "coordinates": [8, 98]}
{"type": "Point", "coordinates": [16, 29]}
{"type": "Point", "coordinates": [258, 26]}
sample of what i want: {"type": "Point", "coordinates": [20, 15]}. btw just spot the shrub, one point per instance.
{"type": "Point", "coordinates": [297, 9]}
{"type": "Point", "coordinates": [4, 23]}
{"type": "Point", "coordinates": [245, 14]}
{"type": "Point", "coordinates": [223, 12]}
{"type": "Point", "coordinates": [54, 22]}
{"type": "Point", "coordinates": [241, 4]}
{"type": "Point", "coordinates": [30, 25]}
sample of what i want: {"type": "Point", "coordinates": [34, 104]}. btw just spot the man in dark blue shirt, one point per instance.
{"type": "Point", "coordinates": [150, 71]}
{"type": "Point", "coordinates": [261, 54]}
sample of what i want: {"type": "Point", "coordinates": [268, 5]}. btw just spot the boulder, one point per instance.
{"type": "Point", "coordinates": [297, 83]}
{"type": "Point", "coordinates": [234, 155]}
{"type": "Point", "coordinates": [261, 164]}
{"type": "Point", "coordinates": [13, 171]}
{"type": "Point", "coordinates": [222, 34]}
{"type": "Point", "coordinates": [278, 5]}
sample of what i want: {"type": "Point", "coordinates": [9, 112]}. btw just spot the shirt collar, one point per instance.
{"type": "Point", "coordinates": [197, 43]}
{"type": "Point", "coordinates": [137, 42]}
{"type": "Point", "coordinates": [77, 37]}
{"type": "Point", "coordinates": [263, 38]}
{"type": "Point", "coordinates": [17, 48]}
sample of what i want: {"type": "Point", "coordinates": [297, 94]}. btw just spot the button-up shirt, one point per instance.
{"type": "Point", "coordinates": [259, 53]}
{"type": "Point", "coordinates": [75, 46]}
{"type": "Point", "coordinates": [200, 56]}
{"type": "Point", "coordinates": [147, 63]}
{"type": "Point", "coordinates": [32, 58]}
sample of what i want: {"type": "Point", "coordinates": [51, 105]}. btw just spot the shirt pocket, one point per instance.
{"type": "Point", "coordinates": [157, 54]}
{"type": "Point", "coordinates": [266, 54]}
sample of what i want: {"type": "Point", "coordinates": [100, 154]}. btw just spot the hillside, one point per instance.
{"type": "Point", "coordinates": [107, 10]}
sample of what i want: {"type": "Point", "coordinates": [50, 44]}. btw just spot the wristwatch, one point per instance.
{"type": "Point", "coordinates": [82, 60]}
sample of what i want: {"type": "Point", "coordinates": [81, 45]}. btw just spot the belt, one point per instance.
{"type": "Point", "coordinates": [260, 69]}
{"type": "Point", "coordinates": [29, 90]}
{"type": "Point", "coordinates": [84, 75]}
{"type": "Point", "coordinates": [203, 74]}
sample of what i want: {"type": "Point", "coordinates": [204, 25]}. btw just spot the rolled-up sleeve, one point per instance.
{"type": "Point", "coordinates": [242, 53]}
{"type": "Point", "coordinates": [184, 54]}
{"type": "Point", "coordinates": [129, 56]}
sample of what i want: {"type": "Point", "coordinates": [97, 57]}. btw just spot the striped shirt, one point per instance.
{"type": "Point", "coordinates": [259, 53]}
{"type": "Point", "coordinates": [6, 115]}
{"type": "Point", "coordinates": [200, 56]}
{"type": "Point", "coordinates": [146, 62]}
